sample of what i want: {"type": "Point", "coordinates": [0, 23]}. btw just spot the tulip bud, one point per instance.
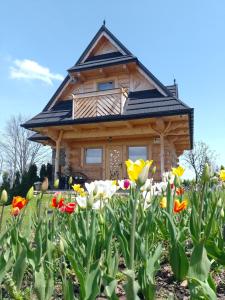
{"type": "Point", "coordinates": [61, 245]}
{"type": "Point", "coordinates": [101, 219]}
{"type": "Point", "coordinates": [70, 182]}
{"type": "Point", "coordinates": [222, 213]}
{"type": "Point", "coordinates": [44, 185]}
{"type": "Point", "coordinates": [177, 181]}
{"type": "Point", "coordinates": [206, 173]}
{"type": "Point", "coordinates": [143, 175]}
{"type": "Point", "coordinates": [30, 193]}
{"type": "Point", "coordinates": [59, 197]}
{"type": "Point", "coordinates": [4, 197]}
{"type": "Point", "coordinates": [153, 170]}
{"type": "Point", "coordinates": [56, 183]}
{"type": "Point", "coordinates": [90, 201]}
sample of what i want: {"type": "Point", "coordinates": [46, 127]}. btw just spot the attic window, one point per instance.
{"type": "Point", "coordinates": [107, 85]}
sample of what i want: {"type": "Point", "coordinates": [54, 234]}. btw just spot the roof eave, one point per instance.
{"type": "Point", "coordinates": [109, 118]}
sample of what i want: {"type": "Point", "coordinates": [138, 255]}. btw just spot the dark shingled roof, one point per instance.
{"type": "Point", "coordinates": [94, 64]}
{"type": "Point", "coordinates": [38, 137]}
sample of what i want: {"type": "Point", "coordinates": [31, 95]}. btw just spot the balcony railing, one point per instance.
{"type": "Point", "coordinates": [100, 103]}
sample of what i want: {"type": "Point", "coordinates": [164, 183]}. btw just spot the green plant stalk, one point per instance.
{"type": "Point", "coordinates": [39, 206]}
{"type": "Point", "coordinates": [133, 227]}
{"type": "Point", "coordinates": [201, 206]}
{"type": "Point", "coordinates": [1, 217]}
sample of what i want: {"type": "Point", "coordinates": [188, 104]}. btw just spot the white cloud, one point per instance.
{"type": "Point", "coordinates": [30, 69]}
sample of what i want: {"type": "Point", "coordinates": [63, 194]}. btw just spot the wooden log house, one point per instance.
{"type": "Point", "coordinates": [109, 108]}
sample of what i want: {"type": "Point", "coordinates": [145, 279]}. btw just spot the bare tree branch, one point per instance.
{"type": "Point", "coordinates": [17, 151]}
{"type": "Point", "coordinates": [196, 158]}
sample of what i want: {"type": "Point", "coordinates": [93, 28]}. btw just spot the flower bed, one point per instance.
{"type": "Point", "coordinates": [93, 244]}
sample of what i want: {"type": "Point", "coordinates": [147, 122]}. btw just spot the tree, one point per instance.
{"type": "Point", "coordinates": [49, 171]}
{"type": "Point", "coordinates": [27, 180]}
{"type": "Point", "coordinates": [196, 158]}
{"type": "Point", "coordinates": [5, 182]}
{"type": "Point", "coordinates": [18, 152]}
{"type": "Point", "coordinates": [43, 172]}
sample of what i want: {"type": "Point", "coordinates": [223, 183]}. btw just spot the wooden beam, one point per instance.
{"type": "Point", "coordinates": [162, 150]}
{"type": "Point", "coordinates": [57, 154]}
{"type": "Point", "coordinates": [104, 132]}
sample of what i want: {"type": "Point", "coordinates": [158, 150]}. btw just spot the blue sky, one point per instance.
{"type": "Point", "coordinates": [39, 40]}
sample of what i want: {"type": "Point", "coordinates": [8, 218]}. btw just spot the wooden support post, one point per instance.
{"type": "Point", "coordinates": [162, 162]}
{"type": "Point", "coordinates": [57, 154]}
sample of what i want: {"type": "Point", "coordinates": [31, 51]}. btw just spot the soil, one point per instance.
{"type": "Point", "coordinates": [165, 282]}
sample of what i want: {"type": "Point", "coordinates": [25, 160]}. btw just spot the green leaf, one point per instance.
{"type": "Point", "coordinates": [5, 266]}
{"type": "Point", "coordinates": [132, 286]}
{"type": "Point", "coordinates": [214, 252]}
{"type": "Point", "coordinates": [68, 289]}
{"type": "Point", "coordinates": [110, 284]}
{"type": "Point", "coordinates": [171, 227]}
{"type": "Point", "coordinates": [178, 261]}
{"type": "Point", "coordinates": [20, 267]}
{"type": "Point", "coordinates": [92, 287]}
{"type": "Point", "coordinates": [80, 273]}
{"type": "Point", "coordinates": [201, 290]}
{"type": "Point", "coordinates": [40, 283]}
{"type": "Point", "coordinates": [211, 220]}
{"type": "Point", "coordinates": [169, 198]}
{"type": "Point", "coordinates": [199, 263]}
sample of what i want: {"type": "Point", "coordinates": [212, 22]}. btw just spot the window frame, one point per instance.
{"type": "Point", "coordinates": [136, 146]}
{"type": "Point", "coordinates": [104, 81]}
{"type": "Point", "coordinates": [93, 148]}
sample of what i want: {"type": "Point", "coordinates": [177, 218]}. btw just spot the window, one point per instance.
{"type": "Point", "coordinates": [139, 152]}
{"type": "Point", "coordinates": [93, 156]}
{"type": "Point", "coordinates": [103, 86]}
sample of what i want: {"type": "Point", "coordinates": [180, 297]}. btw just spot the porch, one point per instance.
{"type": "Point", "coordinates": [99, 150]}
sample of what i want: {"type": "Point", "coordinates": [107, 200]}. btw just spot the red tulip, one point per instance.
{"type": "Point", "coordinates": [57, 204]}
{"type": "Point", "coordinates": [69, 207]}
{"type": "Point", "coordinates": [15, 211]}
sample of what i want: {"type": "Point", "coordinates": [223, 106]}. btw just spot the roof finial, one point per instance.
{"type": "Point", "coordinates": [104, 22]}
{"type": "Point", "coordinates": [174, 80]}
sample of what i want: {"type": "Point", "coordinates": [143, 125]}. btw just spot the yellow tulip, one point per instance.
{"type": "Point", "coordinates": [222, 175]}
{"type": "Point", "coordinates": [179, 171]}
{"type": "Point", "coordinates": [138, 171]}
{"type": "Point", "coordinates": [163, 202]}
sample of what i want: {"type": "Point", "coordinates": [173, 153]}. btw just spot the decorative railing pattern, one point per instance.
{"type": "Point", "coordinates": [101, 103]}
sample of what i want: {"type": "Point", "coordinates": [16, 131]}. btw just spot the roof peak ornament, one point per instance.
{"type": "Point", "coordinates": [104, 22]}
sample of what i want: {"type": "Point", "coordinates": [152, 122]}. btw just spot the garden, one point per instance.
{"type": "Point", "coordinates": [124, 239]}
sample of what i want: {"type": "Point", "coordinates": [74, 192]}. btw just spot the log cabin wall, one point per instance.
{"type": "Point", "coordinates": [75, 156]}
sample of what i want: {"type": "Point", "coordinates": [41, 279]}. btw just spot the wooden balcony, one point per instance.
{"type": "Point", "coordinates": [100, 103]}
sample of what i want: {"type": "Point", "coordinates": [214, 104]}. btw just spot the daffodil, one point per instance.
{"type": "Point", "coordinates": [222, 175]}
{"type": "Point", "coordinates": [179, 171]}
{"type": "Point", "coordinates": [78, 189]}
{"type": "Point", "coordinates": [138, 171]}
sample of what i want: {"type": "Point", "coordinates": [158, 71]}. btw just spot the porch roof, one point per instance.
{"type": "Point", "coordinates": [142, 104]}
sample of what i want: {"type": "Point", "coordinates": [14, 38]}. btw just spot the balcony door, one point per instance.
{"type": "Point", "coordinates": [114, 163]}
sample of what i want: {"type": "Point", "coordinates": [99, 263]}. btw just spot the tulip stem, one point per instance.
{"type": "Point", "coordinates": [1, 217]}
{"type": "Point", "coordinates": [133, 227]}
{"type": "Point", "coordinates": [201, 206]}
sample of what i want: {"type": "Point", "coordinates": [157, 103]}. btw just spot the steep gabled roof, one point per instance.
{"type": "Point", "coordinates": [102, 30]}
{"type": "Point", "coordinates": [103, 60]}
